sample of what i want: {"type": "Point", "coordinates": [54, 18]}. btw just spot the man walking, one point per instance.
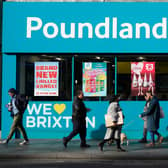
{"type": "Point", "coordinates": [153, 118]}
{"type": "Point", "coordinates": [19, 104]}
{"type": "Point", "coordinates": [78, 120]}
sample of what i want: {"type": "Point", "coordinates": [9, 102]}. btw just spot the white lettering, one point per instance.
{"type": "Point", "coordinates": [80, 30]}
{"type": "Point", "coordinates": [30, 27]}
{"type": "Point", "coordinates": [147, 29]}
{"type": "Point", "coordinates": [67, 120]}
{"type": "Point", "coordinates": [41, 121]}
{"type": "Point", "coordinates": [92, 123]}
{"type": "Point", "coordinates": [163, 27]}
{"type": "Point", "coordinates": [72, 31]}
{"type": "Point", "coordinates": [55, 30]}
{"type": "Point", "coordinates": [57, 122]}
{"type": "Point", "coordinates": [114, 28]}
{"type": "Point", "coordinates": [30, 122]}
{"type": "Point", "coordinates": [47, 107]}
{"type": "Point", "coordinates": [127, 32]}
{"type": "Point", "coordinates": [34, 108]}
{"type": "Point", "coordinates": [106, 29]}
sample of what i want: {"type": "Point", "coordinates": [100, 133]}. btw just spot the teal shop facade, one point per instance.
{"type": "Point", "coordinates": [48, 32]}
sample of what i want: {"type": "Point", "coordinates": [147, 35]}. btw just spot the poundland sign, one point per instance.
{"type": "Point", "coordinates": [85, 27]}
{"type": "Point", "coordinates": [110, 29]}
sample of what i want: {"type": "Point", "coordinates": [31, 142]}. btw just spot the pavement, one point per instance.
{"type": "Point", "coordinates": [54, 149]}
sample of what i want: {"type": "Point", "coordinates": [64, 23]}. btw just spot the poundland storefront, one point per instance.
{"type": "Point", "coordinates": [52, 49]}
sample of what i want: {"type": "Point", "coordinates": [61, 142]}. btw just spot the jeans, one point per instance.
{"type": "Point", "coordinates": [153, 133]}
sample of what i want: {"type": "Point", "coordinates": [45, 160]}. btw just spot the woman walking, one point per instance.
{"type": "Point", "coordinates": [113, 133]}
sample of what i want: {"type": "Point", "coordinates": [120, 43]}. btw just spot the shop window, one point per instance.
{"type": "Point", "coordinates": [94, 74]}
{"type": "Point", "coordinates": [45, 77]}
{"type": "Point", "coordinates": [144, 80]}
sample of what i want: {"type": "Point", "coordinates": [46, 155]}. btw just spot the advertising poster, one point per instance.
{"type": "Point", "coordinates": [94, 79]}
{"type": "Point", "coordinates": [142, 78]}
{"type": "Point", "coordinates": [46, 78]}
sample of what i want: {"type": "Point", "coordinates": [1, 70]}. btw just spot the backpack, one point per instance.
{"type": "Point", "coordinates": [22, 102]}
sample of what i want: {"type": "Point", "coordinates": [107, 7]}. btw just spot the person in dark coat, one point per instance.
{"type": "Point", "coordinates": [153, 117]}
{"type": "Point", "coordinates": [78, 120]}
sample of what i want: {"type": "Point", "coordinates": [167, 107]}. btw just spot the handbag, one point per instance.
{"type": "Point", "coordinates": [109, 122]}
{"type": "Point", "coordinates": [161, 113]}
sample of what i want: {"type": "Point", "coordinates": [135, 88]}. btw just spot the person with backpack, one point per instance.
{"type": "Point", "coordinates": [18, 106]}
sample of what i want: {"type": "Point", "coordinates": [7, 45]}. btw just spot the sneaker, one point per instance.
{"type": "Point", "coordinates": [65, 142]}
{"type": "Point", "coordinates": [4, 142]}
{"type": "Point", "coordinates": [85, 146]}
{"type": "Point", "coordinates": [150, 145]}
{"type": "Point", "coordinates": [121, 150]}
{"type": "Point", "coordinates": [160, 139]}
{"type": "Point", "coordinates": [142, 140]}
{"type": "Point", "coordinates": [24, 142]}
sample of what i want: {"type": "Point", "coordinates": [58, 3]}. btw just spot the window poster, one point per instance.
{"type": "Point", "coordinates": [142, 78]}
{"type": "Point", "coordinates": [46, 78]}
{"type": "Point", "coordinates": [94, 79]}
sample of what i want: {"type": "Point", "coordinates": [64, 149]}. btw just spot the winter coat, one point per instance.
{"type": "Point", "coordinates": [79, 109]}
{"type": "Point", "coordinates": [113, 110]}
{"type": "Point", "coordinates": [153, 115]}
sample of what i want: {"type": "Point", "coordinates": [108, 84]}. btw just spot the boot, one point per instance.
{"type": "Point", "coordinates": [119, 148]}
{"type": "Point", "coordinates": [65, 142]}
{"type": "Point", "coordinates": [101, 145]}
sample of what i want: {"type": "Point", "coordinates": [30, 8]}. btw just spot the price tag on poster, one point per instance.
{"type": "Point", "coordinates": [46, 78]}
{"type": "Point", "coordinates": [94, 79]}
{"type": "Point", "coordinates": [142, 78]}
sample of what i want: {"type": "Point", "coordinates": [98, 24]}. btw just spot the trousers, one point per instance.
{"type": "Point", "coordinates": [79, 127]}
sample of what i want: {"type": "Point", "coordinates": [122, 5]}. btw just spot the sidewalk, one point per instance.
{"type": "Point", "coordinates": [54, 149]}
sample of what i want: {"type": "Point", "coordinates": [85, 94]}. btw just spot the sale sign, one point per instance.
{"type": "Point", "coordinates": [46, 78]}
{"type": "Point", "coordinates": [94, 79]}
{"type": "Point", "coordinates": [142, 78]}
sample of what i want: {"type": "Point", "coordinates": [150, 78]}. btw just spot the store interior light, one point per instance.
{"type": "Point", "coordinates": [106, 61]}
{"type": "Point", "coordinates": [97, 57]}
{"type": "Point", "coordinates": [141, 58]}
{"type": "Point", "coordinates": [59, 59]}
{"type": "Point", "coordinates": [50, 56]}
{"type": "Point", "coordinates": [44, 55]}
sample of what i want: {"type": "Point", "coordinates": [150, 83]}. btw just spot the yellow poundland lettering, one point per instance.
{"type": "Point", "coordinates": [59, 108]}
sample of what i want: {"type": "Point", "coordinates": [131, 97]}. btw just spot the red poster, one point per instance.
{"type": "Point", "coordinates": [142, 78]}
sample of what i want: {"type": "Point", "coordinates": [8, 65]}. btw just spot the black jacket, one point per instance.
{"type": "Point", "coordinates": [79, 109]}
{"type": "Point", "coordinates": [20, 103]}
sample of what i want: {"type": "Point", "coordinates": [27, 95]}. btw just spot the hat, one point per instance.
{"type": "Point", "coordinates": [114, 98]}
{"type": "Point", "coordinates": [12, 90]}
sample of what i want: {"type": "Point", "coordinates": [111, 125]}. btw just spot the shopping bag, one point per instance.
{"type": "Point", "coordinates": [109, 122]}
{"type": "Point", "coordinates": [120, 118]}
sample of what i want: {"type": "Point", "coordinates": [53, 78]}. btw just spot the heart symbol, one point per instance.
{"type": "Point", "coordinates": [137, 68]}
{"type": "Point", "coordinates": [59, 108]}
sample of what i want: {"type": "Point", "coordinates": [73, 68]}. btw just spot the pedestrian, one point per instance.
{"type": "Point", "coordinates": [113, 133]}
{"type": "Point", "coordinates": [78, 120]}
{"type": "Point", "coordinates": [18, 106]}
{"type": "Point", "coordinates": [153, 118]}
{"type": "Point", "coordinates": [144, 139]}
